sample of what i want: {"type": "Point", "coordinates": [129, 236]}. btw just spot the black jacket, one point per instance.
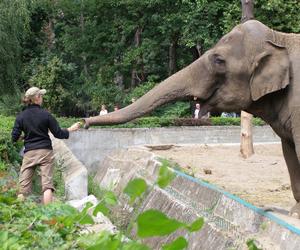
{"type": "Point", "coordinates": [35, 122]}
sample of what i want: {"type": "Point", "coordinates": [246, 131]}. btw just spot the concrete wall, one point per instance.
{"type": "Point", "coordinates": [91, 146]}
{"type": "Point", "coordinates": [75, 173]}
{"type": "Point", "coordinates": [229, 221]}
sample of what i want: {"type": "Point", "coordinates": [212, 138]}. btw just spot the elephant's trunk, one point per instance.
{"type": "Point", "coordinates": [177, 86]}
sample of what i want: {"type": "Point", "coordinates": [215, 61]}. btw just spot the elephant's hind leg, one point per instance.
{"type": "Point", "coordinates": [293, 165]}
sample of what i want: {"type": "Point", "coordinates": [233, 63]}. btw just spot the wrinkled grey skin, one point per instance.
{"type": "Point", "coordinates": [252, 68]}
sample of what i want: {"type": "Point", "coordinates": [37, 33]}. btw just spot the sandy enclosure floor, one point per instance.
{"type": "Point", "coordinates": [262, 179]}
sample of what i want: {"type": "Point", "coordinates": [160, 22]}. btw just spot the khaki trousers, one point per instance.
{"type": "Point", "coordinates": [43, 158]}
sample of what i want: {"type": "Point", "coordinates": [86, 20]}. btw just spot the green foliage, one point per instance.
{"type": "Point", "coordinates": [54, 75]}
{"type": "Point", "coordinates": [107, 198]}
{"type": "Point", "coordinates": [229, 121]}
{"type": "Point", "coordinates": [139, 91]}
{"type": "Point", "coordinates": [177, 244]}
{"type": "Point", "coordinates": [105, 240]}
{"type": "Point", "coordinates": [94, 189]}
{"type": "Point", "coordinates": [177, 109]}
{"type": "Point", "coordinates": [10, 104]}
{"type": "Point", "coordinates": [26, 225]}
{"type": "Point", "coordinates": [66, 122]}
{"type": "Point", "coordinates": [86, 52]}
{"type": "Point", "coordinates": [155, 121]}
{"type": "Point", "coordinates": [196, 225]}
{"type": "Point", "coordinates": [58, 181]}
{"type": "Point", "coordinates": [107, 94]}
{"type": "Point", "coordinates": [277, 14]}
{"type": "Point", "coordinates": [219, 121]}
{"type": "Point", "coordinates": [14, 27]}
{"type": "Point", "coordinates": [29, 225]}
{"type": "Point", "coordinates": [251, 245]}
{"type": "Point", "coordinates": [155, 223]}
{"type": "Point", "coordinates": [135, 188]}
{"type": "Point", "coordinates": [9, 152]}
{"type": "Point", "coordinates": [165, 175]}
{"type": "Point", "coordinates": [101, 207]}
{"type": "Point", "coordinates": [258, 122]}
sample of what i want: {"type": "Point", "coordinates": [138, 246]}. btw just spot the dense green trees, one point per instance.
{"type": "Point", "coordinates": [88, 52]}
{"type": "Point", "coordinates": [14, 25]}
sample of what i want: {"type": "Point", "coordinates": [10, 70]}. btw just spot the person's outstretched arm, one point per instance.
{"type": "Point", "coordinates": [58, 132]}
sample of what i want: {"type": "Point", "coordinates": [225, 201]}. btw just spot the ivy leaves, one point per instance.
{"type": "Point", "coordinates": [155, 223]}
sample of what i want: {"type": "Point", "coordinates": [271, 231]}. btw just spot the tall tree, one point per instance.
{"type": "Point", "coordinates": [14, 26]}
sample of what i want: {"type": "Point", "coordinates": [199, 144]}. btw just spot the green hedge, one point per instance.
{"type": "Point", "coordinates": [9, 152]}
{"type": "Point", "coordinates": [155, 121]}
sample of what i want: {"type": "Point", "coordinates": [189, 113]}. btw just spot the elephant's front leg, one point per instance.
{"type": "Point", "coordinates": [293, 165]}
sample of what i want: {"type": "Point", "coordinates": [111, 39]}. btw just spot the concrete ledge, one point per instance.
{"type": "Point", "coordinates": [91, 146]}
{"type": "Point", "coordinates": [230, 221]}
{"type": "Point", "coordinates": [75, 174]}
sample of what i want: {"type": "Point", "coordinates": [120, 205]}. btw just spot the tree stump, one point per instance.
{"type": "Point", "coordinates": [246, 147]}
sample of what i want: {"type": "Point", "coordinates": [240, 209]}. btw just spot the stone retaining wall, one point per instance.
{"type": "Point", "coordinates": [229, 221]}
{"type": "Point", "coordinates": [75, 174]}
{"type": "Point", "coordinates": [91, 146]}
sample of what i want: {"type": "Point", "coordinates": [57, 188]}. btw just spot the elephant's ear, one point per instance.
{"type": "Point", "coordinates": [270, 71]}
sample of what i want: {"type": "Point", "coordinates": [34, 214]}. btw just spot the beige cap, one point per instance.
{"type": "Point", "coordinates": [33, 91]}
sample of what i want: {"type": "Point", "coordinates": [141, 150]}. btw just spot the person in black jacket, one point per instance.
{"type": "Point", "coordinates": [36, 122]}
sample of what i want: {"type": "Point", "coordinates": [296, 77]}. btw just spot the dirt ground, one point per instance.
{"type": "Point", "coordinates": [262, 179]}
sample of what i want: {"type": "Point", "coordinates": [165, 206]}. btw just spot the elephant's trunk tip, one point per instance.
{"type": "Point", "coordinates": [85, 124]}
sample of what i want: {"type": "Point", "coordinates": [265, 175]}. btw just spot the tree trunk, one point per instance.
{"type": "Point", "coordinates": [247, 10]}
{"type": "Point", "coordinates": [137, 78]}
{"type": "Point", "coordinates": [246, 146]}
{"type": "Point", "coordinates": [197, 51]}
{"type": "Point", "coordinates": [49, 31]}
{"type": "Point", "coordinates": [173, 55]}
{"type": "Point", "coordinates": [83, 55]}
{"type": "Point", "coordinates": [119, 80]}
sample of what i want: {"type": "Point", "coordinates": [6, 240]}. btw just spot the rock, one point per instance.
{"type": "Point", "coordinates": [207, 171]}
{"type": "Point", "coordinates": [111, 178]}
{"type": "Point", "coordinates": [80, 204]}
{"type": "Point", "coordinates": [101, 221]}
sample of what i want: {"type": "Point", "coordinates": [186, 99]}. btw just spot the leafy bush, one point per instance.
{"type": "Point", "coordinates": [27, 225]}
{"type": "Point", "coordinates": [155, 121]}
{"type": "Point", "coordinates": [139, 91]}
{"type": "Point", "coordinates": [192, 122]}
{"type": "Point", "coordinates": [65, 122]}
{"type": "Point", "coordinates": [10, 104]}
{"type": "Point", "coordinates": [221, 121]}
{"type": "Point", "coordinates": [235, 121]}
{"type": "Point", "coordinates": [177, 109]}
{"type": "Point", "coordinates": [56, 76]}
{"type": "Point", "coordinates": [9, 152]}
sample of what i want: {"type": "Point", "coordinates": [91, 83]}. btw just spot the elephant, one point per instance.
{"type": "Point", "coordinates": [251, 68]}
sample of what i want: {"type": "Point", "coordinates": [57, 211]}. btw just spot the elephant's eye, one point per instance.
{"type": "Point", "coordinates": [218, 60]}
{"type": "Point", "coordinates": [219, 64]}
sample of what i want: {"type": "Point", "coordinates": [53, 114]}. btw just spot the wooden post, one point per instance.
{"type": "Point", "coordinates": [246, 146]}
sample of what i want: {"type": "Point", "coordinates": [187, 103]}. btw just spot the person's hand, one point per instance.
{"type": "Point", "coordinates": [74, 127]}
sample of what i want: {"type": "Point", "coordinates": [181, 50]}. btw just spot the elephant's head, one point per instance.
{"type": "Point", "coordinates": [244, 66]}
